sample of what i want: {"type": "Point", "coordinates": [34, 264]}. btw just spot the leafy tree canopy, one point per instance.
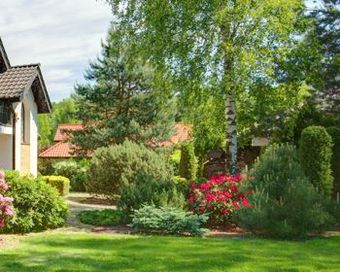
{"type": "Point", "coordinates": [225, 46]}
{"type": "Point", "coordinates": [63, 112]}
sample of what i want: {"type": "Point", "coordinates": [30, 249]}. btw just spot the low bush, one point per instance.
{"type": "Point", "coordinates": [37, 205]}
{"type": "Point", "coordinates": [188, 163]}
{"type": "Point", "coordinates": [75, 171]}
{"type": "Point", "coordinates": [219, 197]}
{"type": "Point", "coordinates": [168, 220]}
{"type": "Point", "coordinates": [62, 184]}
{"type": "Point", "coordinates": [117, 165]}
{"type": "Point", "coordinates": [315, 157]}
{"type": "Point", "coordinates": [285, 203]}
{"type": "Point", "coordinates": [104, 218]}
{"type": "Point", "coordinates": [334, 132]}
{"type": "Point", "coordinates": [145, 189]}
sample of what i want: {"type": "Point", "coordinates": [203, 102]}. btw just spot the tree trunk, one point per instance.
{"type": "Point", "coordinates": [230, 102]}
{"type": "Point", "coordinates": [231, 131]}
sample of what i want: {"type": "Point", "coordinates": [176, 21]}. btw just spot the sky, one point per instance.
{"type": "Point", "coordinates": [63, 36]}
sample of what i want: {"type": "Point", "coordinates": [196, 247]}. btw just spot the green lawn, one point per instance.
{"type": "Point", "coordinates": [103, 252]}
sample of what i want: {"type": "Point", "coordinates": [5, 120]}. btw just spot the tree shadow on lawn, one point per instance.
{"type": "Point", "coordinates": [143, 253]}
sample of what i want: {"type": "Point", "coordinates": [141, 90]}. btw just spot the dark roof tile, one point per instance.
{"type": "Point", "coordinates": [14, 81]}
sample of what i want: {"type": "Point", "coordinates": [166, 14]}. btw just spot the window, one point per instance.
{"type": "Point", "coordinates": [5, 113]}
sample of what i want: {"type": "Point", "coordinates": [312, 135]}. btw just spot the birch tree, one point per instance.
{"type": "Point", "coordinates": [224, 44]}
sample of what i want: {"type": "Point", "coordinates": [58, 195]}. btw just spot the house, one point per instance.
{"type": "Point", "coordinates": [63, 149]}
{"type": "Point", "coordinates": [23, 96]}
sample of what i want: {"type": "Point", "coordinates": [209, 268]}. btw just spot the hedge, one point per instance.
{"type": "Point", "coordinates": [335, 134]}
{"type": "Point", "coordinates": [315, 155]}
{"type": "Point", "coordinates": [62, 184]}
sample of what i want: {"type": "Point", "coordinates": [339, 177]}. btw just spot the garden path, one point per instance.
{"type": "Point", "coordinates": [78, 202]}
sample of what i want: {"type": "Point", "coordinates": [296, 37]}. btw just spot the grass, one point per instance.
{"type": "Point", "coordinates": [103, 218]}
{"type": "Point", "coordinates": [68, 252]}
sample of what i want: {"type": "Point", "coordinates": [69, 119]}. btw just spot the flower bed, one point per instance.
{"type": "Point", "coordinates": [6, 206]}
{"type": "Point", "coordinates": [219, 197]}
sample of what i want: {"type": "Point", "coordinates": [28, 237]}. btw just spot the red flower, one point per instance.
{"type": "Point", "coordinates": [204, 186]}
{"type": "Point", "coordinates": [233, 188]}
{"type": "Point", "coordinates": [192, 199]}
{"type": "Point", "coordinates": [210, 197]}
{"type": "Point", "coordinates": [236, 204]}
{"type": "Point", "coordinates": [201, 209]}
{"type": "Point", "coordinates": [221, 198]}
{"type": "Point", "coordinates": [228, 194]}
{"type": "Point", "coordinates": [245, 202]}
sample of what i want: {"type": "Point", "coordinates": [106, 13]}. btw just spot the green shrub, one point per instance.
{"type": "Point", "coordinates": [116, 165]}
{"type": "Point", "coordinates": [145, 189]}
{"type": "Point", "coordinates": [38, 206]}
{"type": "Point", "coordinates": [104, 218]}
{"type": "Point", "coordinates": [175, 158]}
{"type": "Point", "coordinates": [182, 184]}
{"type": "Point", "coordinates": [334, 132]}
{"type": "Point", "coordinates": [75, 171]}
{"type": "Point", "coordinates": [45, 166]}
{"type": "Point", "coordinates": [285, 203]}
{"type": "Point", "coordinates": [315, 157]}
{"type": "Point", "coordinates": [62, 184]}
{"type": "Point", "coordinates": [168, 220]}
{"type": "Point", "coordinates": [188, 162]}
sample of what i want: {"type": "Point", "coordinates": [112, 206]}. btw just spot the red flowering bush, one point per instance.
{"type": "Point", "coordinates": [6, 206]}
{"type": "Point", "coordinates": [219, 197]}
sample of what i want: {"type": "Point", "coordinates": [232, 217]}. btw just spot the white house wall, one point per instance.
{"type": "Point", "coordinates": [6, 158]}
{"type": "Point", "coordinates": [17, 109]}
{"type": "Point", "coordinates": [31, 123]}
{"type": "Point", "coordinates": [33, 131]}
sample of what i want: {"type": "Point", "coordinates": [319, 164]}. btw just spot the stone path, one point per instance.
{"type": "Point", "coordinates": [78, 202]}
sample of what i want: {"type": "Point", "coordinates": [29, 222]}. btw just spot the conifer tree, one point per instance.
{"type": "Point", "coordinates": [124, 98]}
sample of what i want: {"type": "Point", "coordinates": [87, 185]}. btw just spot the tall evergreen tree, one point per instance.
{"type": "Point", "coordinates": [125, 98]}
{"type": "Point", "coordinates": [326, 33]}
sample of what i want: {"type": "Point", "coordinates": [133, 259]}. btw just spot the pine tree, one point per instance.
{"type": "Point", "coordinates": [123, 99]}
{"type": "Point", "coordinates": [325, 34]}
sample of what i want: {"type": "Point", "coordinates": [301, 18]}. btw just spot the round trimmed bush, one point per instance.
{"type": "Point", "coordinates": [285, 203]}
{"type": "Point", "coordinates": [315, 156]}
{"type": "Point", "coordinates": [334, 132]}
{"type": "Point", "coordinates": [113, 166]}
{"type": "Point", "coordinates": [62, 184]}
{"type": "Point", "coordinates": [144, 189]}
{"type": "Point", "coordinates": [37, 205]}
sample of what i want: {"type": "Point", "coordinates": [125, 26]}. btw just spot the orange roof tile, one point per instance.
{"type": "Point", "coordinates": [182, 133]}
{"type": "Point", "coordinates": [60, 135]}
{"type": "Point", "coordinates": [59, 150]}
{"type": "Point", "coordinates": [64, 149]}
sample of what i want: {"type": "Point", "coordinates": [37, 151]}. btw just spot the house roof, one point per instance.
{"type": "Point", "coordinates": [14, 80]}
{"type": "Point", "coordinates": [4, 61]}
{"type": "Point", "coordinates": [61, 134]}
{"type": "Point", "coordinates": [59, 150]}
{"type": "Point", "coordinates": [64, 149]}
{"type": "Point", "coordinates": [182, 133]}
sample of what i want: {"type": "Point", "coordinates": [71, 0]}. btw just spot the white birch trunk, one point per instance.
{"type": "Point", "coordinates": [231, 131]}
